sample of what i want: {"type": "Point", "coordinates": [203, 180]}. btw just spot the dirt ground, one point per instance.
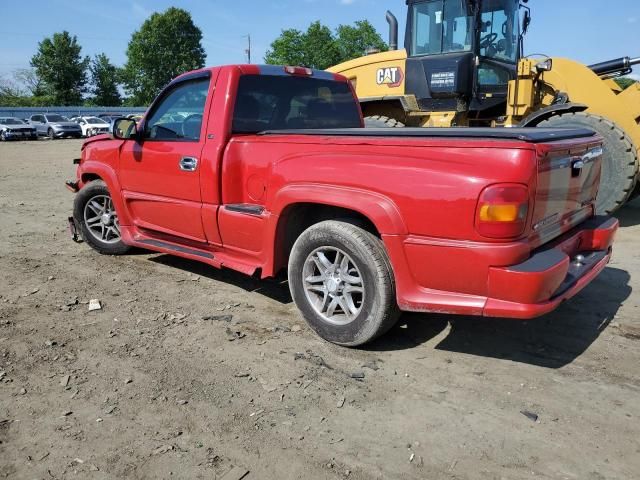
{"type": "Point", "coordinates": [188, 372]}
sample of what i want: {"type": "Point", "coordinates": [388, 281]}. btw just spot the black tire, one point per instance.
{"type": "Point", "coordinates": [380, 121]}
{"type": "Point", "coordinates": [96, 189]}
{"type": "Point", "coordinates": [3, 136]}
{"type": "Point", "coordinates": [378, 310]}
{"type": "Point", "coordinates": [619, 158]}
{"type": "Point", "coordinates": [50, 134]}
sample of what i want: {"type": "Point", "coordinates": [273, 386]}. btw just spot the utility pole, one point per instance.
{"type": "Point", "coordinates": [248, 49]}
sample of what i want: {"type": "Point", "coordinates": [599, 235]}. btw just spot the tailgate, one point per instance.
{"type": "Point", "coordinates": [567, 185]}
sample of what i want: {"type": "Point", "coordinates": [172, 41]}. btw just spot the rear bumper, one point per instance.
{"type": "Point", "coordinates": [525, 289]}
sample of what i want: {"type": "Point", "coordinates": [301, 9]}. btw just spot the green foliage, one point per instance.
{"type": "Point", "coordinates": [319, 48]}
{"type": "Point", "coordinates": [625, 82]}
{"type": "Point", "coordinates": [354, 41]}
{"type": "Point", "coordinates": [166, 45]}
{"type": "Point", "coordinates": [104, 77]}
{"type": "Point", "coordinates": [61, 68]}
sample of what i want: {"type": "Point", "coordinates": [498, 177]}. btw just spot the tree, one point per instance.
{"type": "Point", "coordinates": [319, 48]}
{"type": "Point", "coordinates": [287, 49]}
{"type": "Point", "coordinates": [353, 42]}
{"type": "Point", "coordinates": [625, 82]}
{"type": "Point", "coordinates": [166, 45]}
{"type": "Point", "coordinates": [104, 78]}
{"type": "Point", "coordinates": [28, 78]}
{"type": "Point", "coordinates": [61, 68]}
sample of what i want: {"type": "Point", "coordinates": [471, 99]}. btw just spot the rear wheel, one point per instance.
{"type": "Point", "coordinates": [95, 214]}
{"type": "Point", "coordinates": [3, 136]}
{"type": "Point", "coordinates": [341, 280]}
{"type": "Point", "coordinates": [380, 121]}
{"type": "Point", "coordinates": [619, 158]}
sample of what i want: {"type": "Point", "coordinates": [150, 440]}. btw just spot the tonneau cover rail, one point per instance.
{"type": "Point", "coordinates": [530, 135]}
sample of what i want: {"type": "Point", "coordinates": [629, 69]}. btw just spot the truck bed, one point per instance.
{"type": "Point", "coordinates": [530, 135]}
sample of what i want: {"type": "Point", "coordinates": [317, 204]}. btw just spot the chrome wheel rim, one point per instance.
{"type": "Point", "coordinates": [333, 285]}
{"type": "Point", "coordinates": [101, 219]}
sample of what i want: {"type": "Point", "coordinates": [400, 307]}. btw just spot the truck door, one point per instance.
{"type": "Point", "coordinates": [160, 172]}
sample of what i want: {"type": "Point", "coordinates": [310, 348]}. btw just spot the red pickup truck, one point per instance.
{"type": "Point", "coordinates": [265, 168]}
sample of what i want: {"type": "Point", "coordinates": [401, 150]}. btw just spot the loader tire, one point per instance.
{"type": "Point", "coordinates": [380, 121]}
{"type": "Point", "coordinates": [619, 158]}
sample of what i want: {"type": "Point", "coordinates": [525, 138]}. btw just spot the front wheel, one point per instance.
{"type": "Point", "coordinates": [95, 214]}
{"type": "Point", "coordinates": [341, 280]}
{"type": "Point", "coordinates": [50, 134]}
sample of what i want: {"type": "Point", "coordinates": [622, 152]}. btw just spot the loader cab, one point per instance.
{"type": "Point", "coordinates": [461, 54]}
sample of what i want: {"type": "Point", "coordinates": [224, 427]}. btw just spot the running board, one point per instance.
{"type": "Point", "coordinates": [176, 248]}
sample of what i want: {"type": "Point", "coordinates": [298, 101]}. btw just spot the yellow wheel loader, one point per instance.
{"type": "Point", "coordinates": [462, 65]}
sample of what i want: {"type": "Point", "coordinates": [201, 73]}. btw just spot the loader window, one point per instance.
{"type": "Point", "coordinates": [499, 30]}
{"type": "Point", "coordinates": [440, 26]}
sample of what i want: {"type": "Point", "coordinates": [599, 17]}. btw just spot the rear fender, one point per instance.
{"type": "Point", "coordinates": [552, 110]}
{"type": "Point", "coordinates": [379, 209]}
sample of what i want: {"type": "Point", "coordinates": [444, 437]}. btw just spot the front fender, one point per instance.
{"type": "Point", "coordinates": [90, 170]}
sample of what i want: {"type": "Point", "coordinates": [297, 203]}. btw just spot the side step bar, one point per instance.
{"type": "Point", "coordinates": [176, 248]}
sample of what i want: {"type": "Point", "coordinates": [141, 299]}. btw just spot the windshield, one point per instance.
{"type": "Point", "coordinates": [56, 118]}
{"type": "Point", "coordinates": [266, 102]}
{"type": "Point", "coordinates": [11, 121]}
{"type": "Point", "coordinates": [441, 26]}
{"type": "Point", "coordinates": [499, 30]}
{"type": "Point", "coordinates": [94, 120]}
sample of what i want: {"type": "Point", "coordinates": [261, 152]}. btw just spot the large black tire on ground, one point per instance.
{"type": "Point", "coordinates": [378, 310]}
{"type": "Point", "coordinates": [619, 158]}
{"type": "Point", "coordinates": [95, 189]}
{"type": "Point", "coordinates": [380, 121]}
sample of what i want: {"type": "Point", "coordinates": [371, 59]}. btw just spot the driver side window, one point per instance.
{"type": "Point", "coordinates": [178, 116]}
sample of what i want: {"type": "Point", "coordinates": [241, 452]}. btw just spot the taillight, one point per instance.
{"type": "Point", "coordinates": [502, 210]}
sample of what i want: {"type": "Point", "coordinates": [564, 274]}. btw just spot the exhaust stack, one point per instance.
{"type": "Point", "coordinates": [393, 30]}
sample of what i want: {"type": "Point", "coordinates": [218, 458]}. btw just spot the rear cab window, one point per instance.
{"type": "Point", "coordinates": [273, 102]}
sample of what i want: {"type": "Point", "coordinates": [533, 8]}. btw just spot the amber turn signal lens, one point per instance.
{"type": "Point", "coordinates": [499, 213]}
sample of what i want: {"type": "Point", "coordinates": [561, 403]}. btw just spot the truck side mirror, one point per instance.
{"type": "Point", "coordinates": [124, 129]}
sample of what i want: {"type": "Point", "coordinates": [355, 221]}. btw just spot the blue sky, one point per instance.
{"type": "Point", "coordinates": [585, 30]}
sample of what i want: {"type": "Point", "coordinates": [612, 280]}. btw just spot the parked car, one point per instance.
{"type": "Point", "coordinates": [91, 125]}
{"type": "Point", "coordinates": [135, 116]}
{"type": "Point", "coordinates": [12, 128]}
{"type": "Point", "coordinates": [273, 171]}
{"type": "Point", "coordinates": [54, 126]}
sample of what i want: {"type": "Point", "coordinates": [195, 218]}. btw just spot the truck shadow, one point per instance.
{"type": "Point", "coordinates": [276, 288]}
{"type": "Point", "coordinates": [551, 341]}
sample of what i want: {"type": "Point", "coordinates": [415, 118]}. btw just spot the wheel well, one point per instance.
{"type": "Point", "coordinates": [89, 177]}
{"type": "Point", "coordinates": [296, 218]}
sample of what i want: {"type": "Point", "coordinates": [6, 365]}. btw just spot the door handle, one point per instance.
{"type": "Point", "coordinates": [188, 164]}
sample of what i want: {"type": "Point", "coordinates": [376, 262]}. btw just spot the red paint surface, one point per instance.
{"type": "Point", "coordinates": [421, 194]}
